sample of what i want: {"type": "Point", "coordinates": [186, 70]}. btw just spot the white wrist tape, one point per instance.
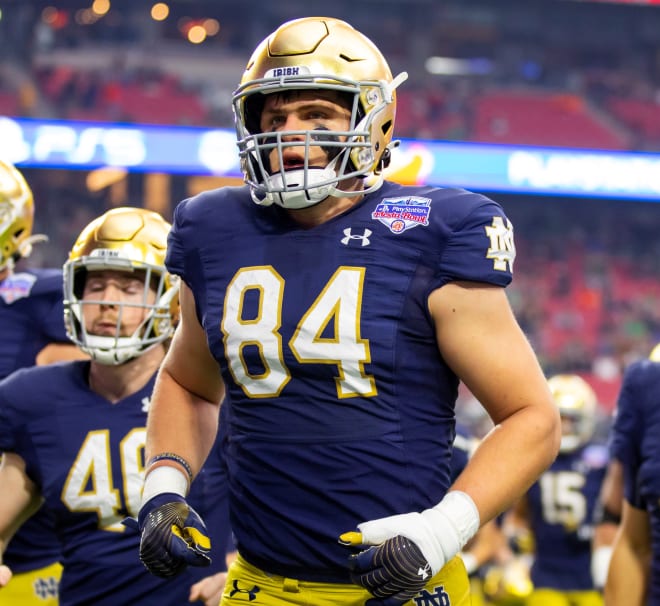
{"type": "Point", "coordinates": [440, 532]}
{"type": "Point", "coordinates": [453, 522]}
{"type": "Point", "coordinates": [164, 479]}
{"type": "Point", "coordinates": [600, 564]}
{"type": "Point", "coordinates": [470, 562]}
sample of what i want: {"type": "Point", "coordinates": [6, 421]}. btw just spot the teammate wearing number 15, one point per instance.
{"type": "Point", "coordinates": [559, 509]}
{"type": "Point", "coordinates": [338, 314]}
{"type": "Point", "coordinates": [73, 433]}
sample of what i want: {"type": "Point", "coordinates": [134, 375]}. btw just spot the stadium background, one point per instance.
{"type": "Point", "coordinates": [552, 73]}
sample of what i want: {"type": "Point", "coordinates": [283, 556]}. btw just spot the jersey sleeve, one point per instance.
{"type": "Point", "coordinates": [480, 246]}
{"type": "Point", "coordinates": [53, 322]}
{"type": "Point", "coordinates": [48, 297]}
{"type": "Point", "coordinates": [174, 259]}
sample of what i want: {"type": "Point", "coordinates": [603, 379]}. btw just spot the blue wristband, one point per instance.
{"type": "Point", "coordinates": [171, 456]}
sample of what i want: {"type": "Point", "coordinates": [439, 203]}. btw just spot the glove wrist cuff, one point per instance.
{"type": "Point", "coordinates": [451, 524]}
{"type": "Point", "coordinates": [460, 510]}
{"type": "Point", "coordinates": [164, 479]}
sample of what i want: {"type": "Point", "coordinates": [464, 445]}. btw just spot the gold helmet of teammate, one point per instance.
{"type": "Point", "coordinates": [123, 239]}
{"type": "Point", "coordinates": [16, 216]}
{"type": "Point", "coordinates": [577, 404]}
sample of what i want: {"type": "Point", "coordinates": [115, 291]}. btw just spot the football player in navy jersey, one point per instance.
{"type": "Point", "coordinates": [32, 328]}
{"type": "Point", "coordinates": [607, 518]}
{"type": "Point", "coordinates": [73, 433]}
{"type": "Point", "coordinates": [559, 507]}
{"type": "Point", "coordinates": [612, 498]}
{"type": "Point", "coordinates": [338, 314]}
{"type": "Point", "coordinates": [633, 577]}
{"type": "Point", "coordinates": [30, 299]}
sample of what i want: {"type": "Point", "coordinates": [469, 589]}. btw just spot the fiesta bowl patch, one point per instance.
{"type": "Point", "coordinates": [16, 286]}
{"type": "Point", "coordinates": [400, 214]}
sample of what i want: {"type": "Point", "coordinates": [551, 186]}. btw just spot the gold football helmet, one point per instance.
{"type": "Point", "coordinates": [509, 584]}
{"type": "Point", "coordinates": [654, 356]}
{"type": "Point", "coordinates": [577, 404]}
{"type": "Point", "coordinates": [316, 53]}
{"type": "Point", "coordinates": [122, 239]}
{"type": "Point", "coordinates": [16, 216]}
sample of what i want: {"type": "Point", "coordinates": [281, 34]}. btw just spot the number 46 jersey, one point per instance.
{"type": "Point", "coordinates": [340, 407]}
{"type": "Point", "coordinates": [86, 456]}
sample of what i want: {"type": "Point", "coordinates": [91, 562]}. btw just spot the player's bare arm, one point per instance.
{"type": "Point", "coordinates": [611, 500]}
{"type": "Point", "coordinates": [20, 499]}
{"type": "Point", "coordinates": [480, 339]}
{"type": "Point", "coordinates": [629, 569]}
{"type": "Point", "coordinates": [187, 393]}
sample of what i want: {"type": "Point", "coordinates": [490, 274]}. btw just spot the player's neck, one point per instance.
{"type": "Point", "coordinates": [115, 383]}
{"type": "Point", "coordinates": [328, 208]}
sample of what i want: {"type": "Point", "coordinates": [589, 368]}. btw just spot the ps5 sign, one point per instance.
{"type": "Point", "coordinates": [206, 151]}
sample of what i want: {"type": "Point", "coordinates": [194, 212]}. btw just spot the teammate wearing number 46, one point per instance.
{"type": "Point", "coordinates": [73, 433]}
{"type": "Point", "coordinates": [33, 332]}
{"type": "Point", "coordinates": [340, 356]}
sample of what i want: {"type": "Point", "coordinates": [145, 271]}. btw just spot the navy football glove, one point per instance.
{"type": "Point", "coordinates": [393, 572]}
{"type": "Point", "coordinates": [173, 536]}
{"type": "Point", "coordinates": [410, 548]}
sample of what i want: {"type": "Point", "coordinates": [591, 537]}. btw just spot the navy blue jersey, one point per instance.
{"type": "Point", "coordinates": [561, 506]}
{"type": "Point", "coordinates": [340, 407]}
{"type": "Point", "coordinates": [31, 317]}
{"type": "Point", "coordinates": [86, 455]}
{"type": "Point", "coordinates": [461, 452]}
{"type": "Point", "coordinates": [636, 443]}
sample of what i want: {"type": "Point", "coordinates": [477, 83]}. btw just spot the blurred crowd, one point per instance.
{"type": "Point", "coordinates": [597, 87]}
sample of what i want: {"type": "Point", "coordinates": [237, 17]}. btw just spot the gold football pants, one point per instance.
{"type": "Point", "coordinates": [247, 584]}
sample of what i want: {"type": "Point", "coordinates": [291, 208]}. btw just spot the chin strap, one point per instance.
{"type": "Point", "coordinates": [304, 198]}
{"type": "Point", "coordinates": [112, 351]}
{"type": "Point", "coordinates": [300, 198]}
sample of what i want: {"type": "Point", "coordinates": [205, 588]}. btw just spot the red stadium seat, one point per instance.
{"type": "Point", "coordinates": [542, 118]}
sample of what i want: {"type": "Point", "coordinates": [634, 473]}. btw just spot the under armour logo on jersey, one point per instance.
{"type": "Point", "coordinates": [146, 402]}
{"type": "Point", "coordinates": [363, 238]}
{"type": "Point", "coordinates": [439, 597]}
{"type": "Point", "coordinates": [252, 593]}
{"type": "Point", "coordinates": [424, 572]}
{"type": "Point", "coordinates": [502, 249]}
